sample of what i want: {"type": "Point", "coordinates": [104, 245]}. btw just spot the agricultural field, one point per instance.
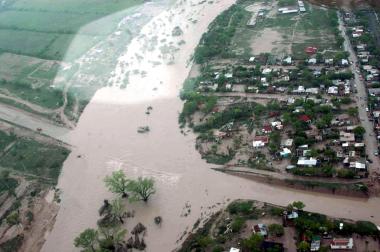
{"type": "Point", "coordinates": [40, 44]}
{"type": "Point", "coordinates": [273, 33]}
{"type": "Point", "coordinates": [29, 168]}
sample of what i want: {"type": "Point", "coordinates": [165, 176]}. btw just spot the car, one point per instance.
{"type": "Point", "coordinates": [367, 109]}
{"type": "Point", "coordinates": [376, 153]}
{"type": "Point", "coordinates": [370, 161]}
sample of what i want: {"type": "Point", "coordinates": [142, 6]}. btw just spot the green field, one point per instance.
{"type": "Point", "coordinates": [35, 35]}
{"type": "Point", "coordinates": [45, 28]}
{"type": "Point", "coordinates": [32, 158]}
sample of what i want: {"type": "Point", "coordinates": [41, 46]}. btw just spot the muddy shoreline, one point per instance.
{"type": "Point", "coordinates": [297, 184]}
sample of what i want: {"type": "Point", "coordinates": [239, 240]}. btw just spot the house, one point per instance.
{"type": "Point", "coordinates": [311, 50]}
{"type": "Point", "coordinates": [288, 60]}
{"type": "Point", "coordinates": [287, 143]}
{"type": "Point", "coordinates": [267, 129]}
{"type": "Point", "coordinates": [315, 243]}
{"type": "Point", "coordinates": [312, 90]}
{"type": "Point", "coordinates": [346, 137]}
{"type": "Point", "coordinates": [260, 229]}
{"type": "Point", "coordinates": [305, 118]}
{"type": "Point", "coordinates": [374, 91]}
{"type": "Point", "coordinates": [260, 141]}
{"type": "Point", "coordinates": [293, 215]}
{"type": "Point", "coordinates": [299, 90]}
{"type": "Point", "coordinates": [285, 152]}
{"type": "Point", "coordinates": [344, 62]}
{"type": "Point", "coordinates": [332, 90]}
{"type": "Point", "coordinates": [329, 61]}
{"type": "Point", "coordinates": [287, 10]}
{"type": "Point", "coordinates": [342, 243]}
{"type": "Point", "coordinates": [312, 61]}
{"type": "Point", "coordinates": [307, 162]}
{"type": "Point", "coordinates": [267, 71]}
{"type": "Point", "coordinates": [234, 250]}
{"type": "Point", "coordinates": [358, 166]}
{"type": "Point", "coordinates": [277, 124]}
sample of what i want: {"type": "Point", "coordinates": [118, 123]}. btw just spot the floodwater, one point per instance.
{"type": "Point", "coordinates": [106, 138]}
{"type": "Point", "coordinates": [347, 3]}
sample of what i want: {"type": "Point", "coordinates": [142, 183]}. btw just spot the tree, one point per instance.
{"type": "Point", "coordinates": [359, 131]}
{"type": "Point", "coordinates": [117, 183]}
{"type": "Point", "coordinates": [87, 240]}
{"type": "Point", "coordinates": [299, 205]}
{"type": "Point", "coordinates": [118, 210]}
{"type": "Point", "coordinates": [276, 230]}
{"type": "Point", "coordinates": [141, 189]}
{"type": "Point", "coordinates": [253, 243]}
{"type": "Point", "coordinates": [303, 246]}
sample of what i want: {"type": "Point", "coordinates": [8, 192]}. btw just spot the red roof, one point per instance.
{"type": "Point", "coordinates": [267, 128]}
{"type": "Point", "coordinates": [304, 118]}
{"type": "Point", "coordinates": [311, 50]}
{"type": "Point", "coordinates": [274, 113]}
{"type": "Point", "coordinates": [264, 139]}
{"type": "Point", "coordinates": [340, 242]}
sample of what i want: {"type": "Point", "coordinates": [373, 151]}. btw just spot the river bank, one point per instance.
{"type": "Point", "coordinates": [106, 140]}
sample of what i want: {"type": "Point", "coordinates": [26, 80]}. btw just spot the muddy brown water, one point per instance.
{"type": "Point", "coordinates": [106, 138]}
{"type": "Point", "coordinates": [347, 3]}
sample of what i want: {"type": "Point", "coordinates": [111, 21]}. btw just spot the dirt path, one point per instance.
{"type": "Point", "coordinates": [33, 122]}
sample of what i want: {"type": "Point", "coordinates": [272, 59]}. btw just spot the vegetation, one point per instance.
{"type": "Point", "coordinates": [140, 189]}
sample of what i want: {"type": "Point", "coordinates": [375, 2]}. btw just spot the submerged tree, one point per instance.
{"type": "Point", "coordinates": [141, 189]}
{"type": "Point", "coordinates": [87, 240]}
{"type": "Point", "coordinates": [117, 183]}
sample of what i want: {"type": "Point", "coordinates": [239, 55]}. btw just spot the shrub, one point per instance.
{"type": "Point", "coordinates": [237, 224]}
{"type": "Point", "coordinates": [240, 207]}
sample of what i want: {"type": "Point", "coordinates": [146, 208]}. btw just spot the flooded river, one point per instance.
{"type": "Point", "coordinates": [106, 140]}
{"type": "Point", "coordinates": [347, 3]}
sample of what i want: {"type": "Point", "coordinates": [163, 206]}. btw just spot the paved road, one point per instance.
{"type": "Point", "coordinates": [32, 122]}
{"type": "Point", "coordinates": [361, 97]}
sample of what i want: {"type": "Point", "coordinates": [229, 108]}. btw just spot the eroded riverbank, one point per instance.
{"type": "Point", "coordinates": [106, 140]}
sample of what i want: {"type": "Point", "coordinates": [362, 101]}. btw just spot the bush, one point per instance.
{"type": "Point", "coordinates": [237, 224]}
{"type": "Point", "coordinates": [366, 228]}
{"type": "Point", "coordinates": [240, 207]}
{"type": "Point", "coordinates": [276, 230]}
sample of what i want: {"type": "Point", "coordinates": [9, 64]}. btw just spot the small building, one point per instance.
{"type": "Point", "coordinates": [312, 61]}
{"type": "Point", "coordinates": [287, 143]}
{"type": "Point", "coordinates": [312, 162]}
{"type": "Point", "coordinates": [333, 90]}
{"type": "Point", "coordinates": [311, 50]}
{"type": "Point", "coordinates": [288, 60]}
{"type": "Point", "coordinates": [267, 129]}
{"type": "Point", "coordinates": [260, 141]}
{"type": "Point", "coordinates": [285, 152]}
{"type": "Point", "coordinates": [346, 136]}
{"type": "Point", "coordinates": [260, 229]}
{"type": "Point", "coordinates": [305, 118]}
{"type": "Point", "coordinates": [342, 243]}
{"type": "Point", "coordinates": [315, 243]}
{"type": "Point", "coordinates": [234, 250]}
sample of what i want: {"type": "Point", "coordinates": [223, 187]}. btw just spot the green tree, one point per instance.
{"type": "Point", "coordinates": [87, 240]}
{"type": "Point", "coordinates": [117, 183]}
{"type": "Point", "coordinates": [141, 189]}
{"type": "Point", "coordinates": [276, 230]}
{"type": "Point", "coordinates": [359, 131]}
{"type": "Point", "coordinates": [253, 243]}
{"type": "Point", "coordinates": [299, 205]}
{"type": "Point", "coordinates": [303, 246]}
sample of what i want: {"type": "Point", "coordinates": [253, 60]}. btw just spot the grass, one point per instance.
{"type": "Point", "coordinates": [37, 159]}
